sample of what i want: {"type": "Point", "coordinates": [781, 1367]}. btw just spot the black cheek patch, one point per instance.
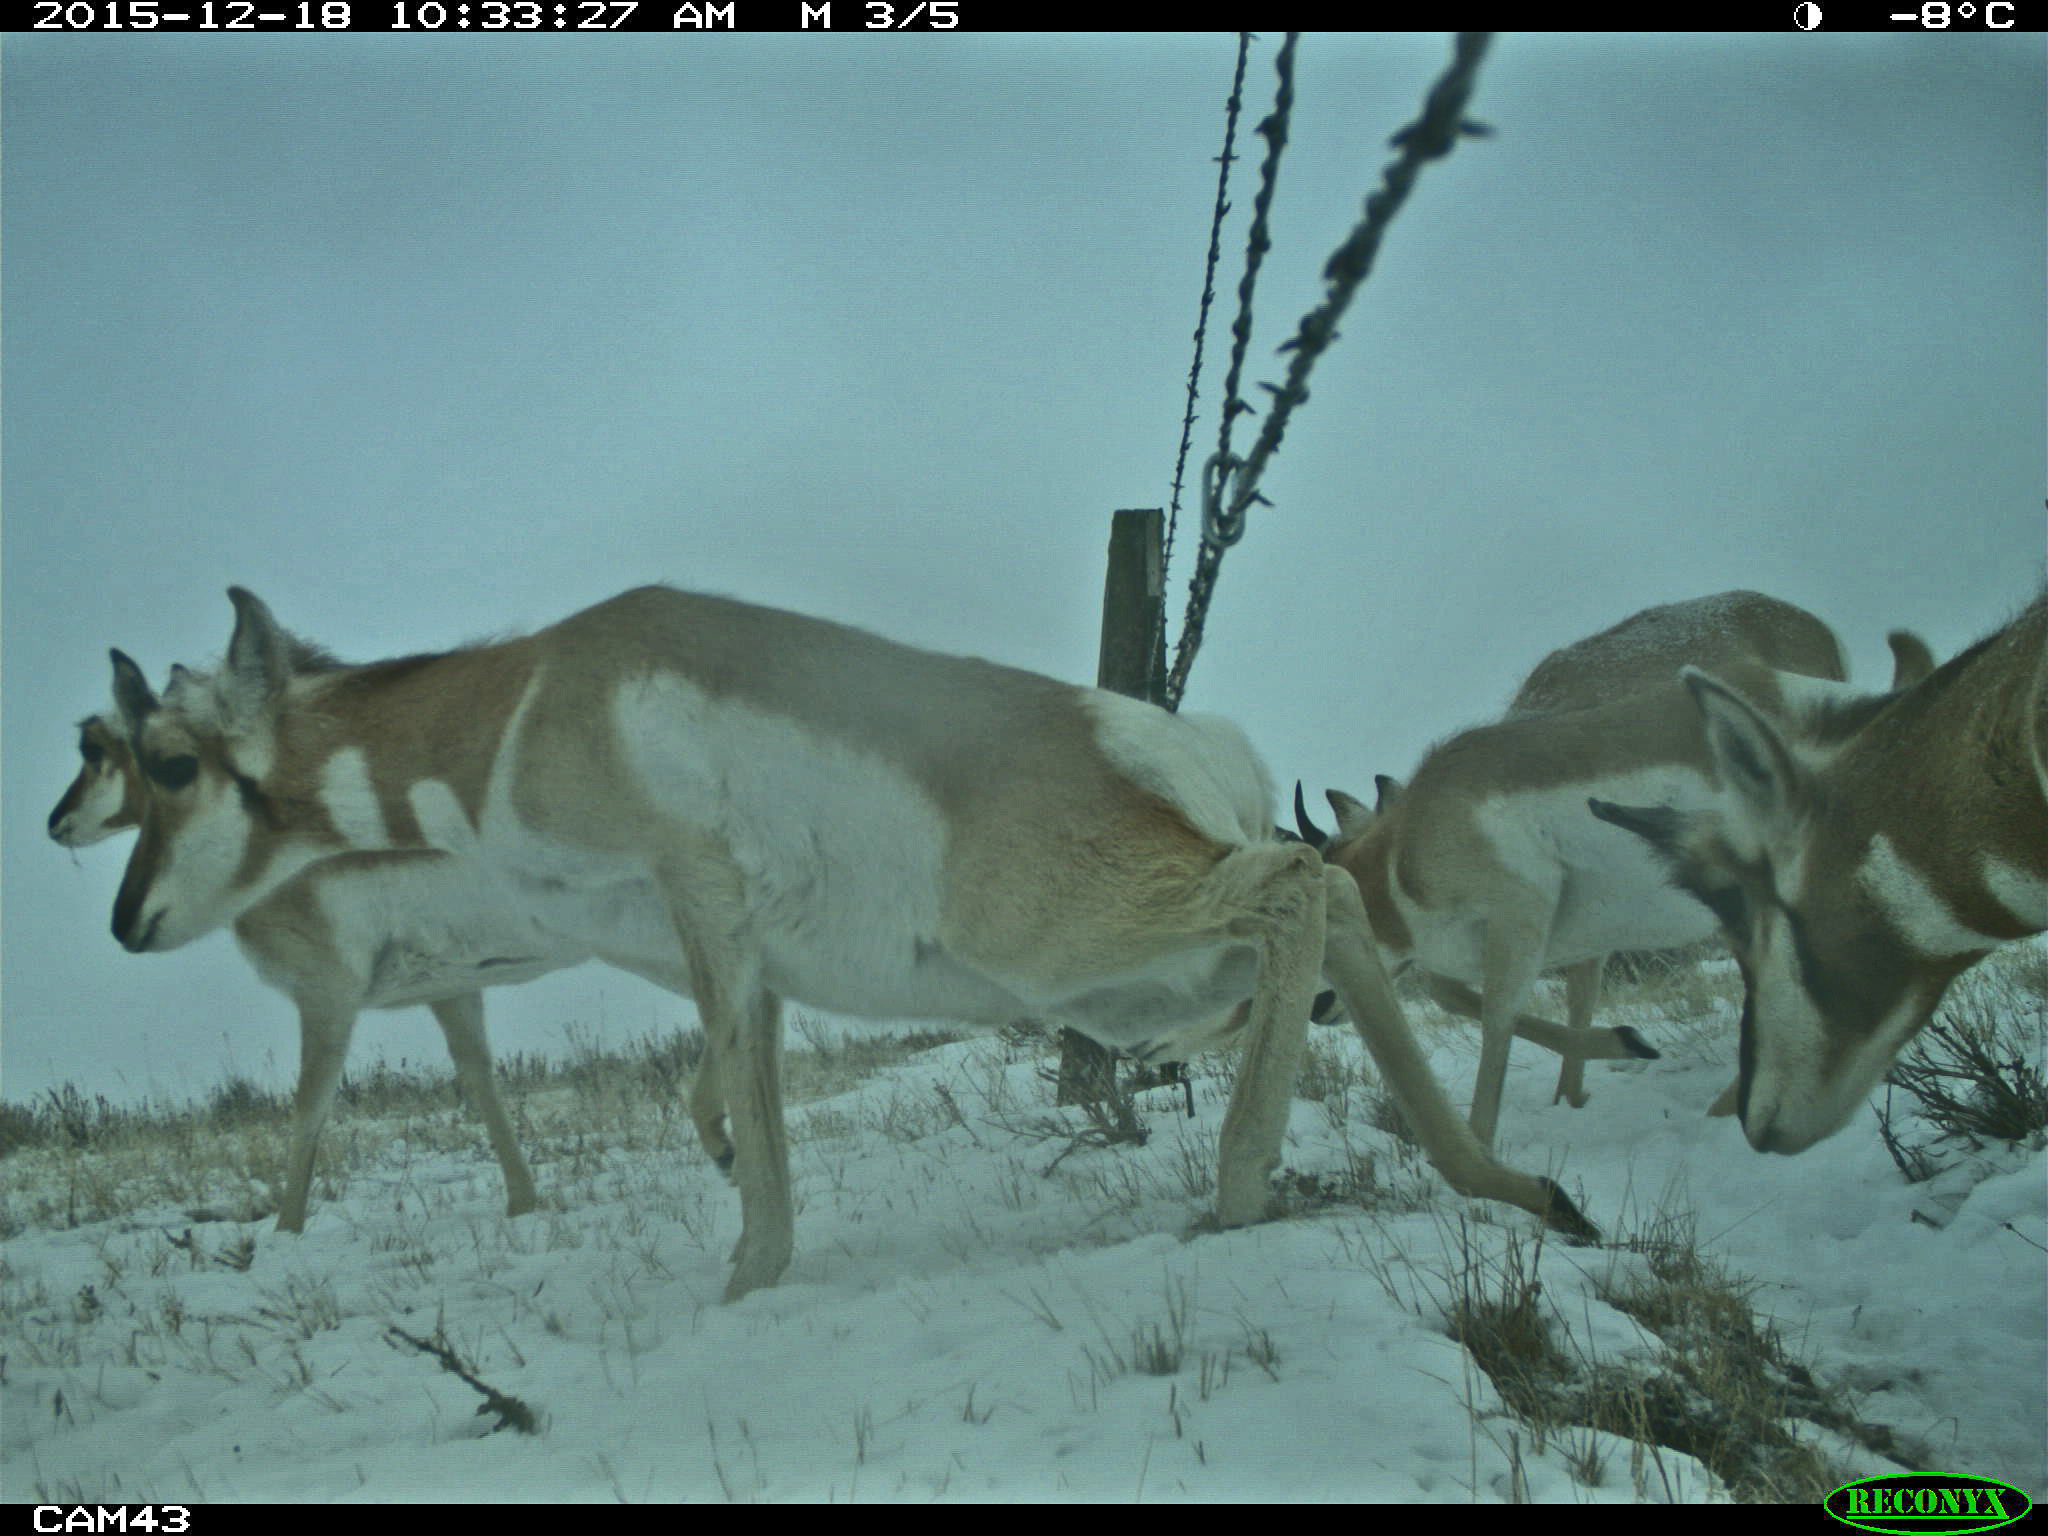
{"type": "Point", "coordinates": [1856, 969]}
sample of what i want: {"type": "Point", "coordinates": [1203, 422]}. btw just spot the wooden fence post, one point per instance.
{"type": "Point", "coordinates": [1132, 660]}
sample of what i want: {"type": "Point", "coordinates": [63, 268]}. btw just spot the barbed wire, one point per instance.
{"type": "Point", "coordinates": [1273, 129]}
{"type": "Point", "coordinates": [1187, 424]}
{"type": "Point", "coordinates": [1229, 485]}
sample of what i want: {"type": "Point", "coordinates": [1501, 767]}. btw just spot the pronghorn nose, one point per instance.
{"type": "Point", "coordinates": [1770, 1137]}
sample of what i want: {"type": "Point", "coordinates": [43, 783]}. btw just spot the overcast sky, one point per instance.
{"type": "Point", "coordinates": [426, 339]}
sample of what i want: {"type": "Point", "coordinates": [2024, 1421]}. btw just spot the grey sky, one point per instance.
{"type": "Point", "coordinates": [430, 338]}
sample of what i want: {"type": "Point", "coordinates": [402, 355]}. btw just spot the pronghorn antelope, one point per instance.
{"type": "Point", "coordinates": [1485, 870]}
{"type": "Point", "coordinates": [1860, 859]}
{"type": "Point", "coordinates": [1645, 650]}
{"type": "Point", "coordinates": [807, 811]}
{"type": "Point", "coordinates": [366, 931]}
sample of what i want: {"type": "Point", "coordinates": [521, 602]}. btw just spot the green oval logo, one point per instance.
{"type": "Point", "coordinates": [1917, 1502]}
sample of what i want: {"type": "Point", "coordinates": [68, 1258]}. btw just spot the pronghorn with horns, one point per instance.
{"type": "Point", "coordinates": [1485, 871]}
{"type": "Point", "coordinates": [370, 931]}
{"type": "Point", "coordinates": [1861, 858]}
{"type": "Point", "coordinates": [366, 931]}
{"type": "Point", "coordinates": [814, 813]}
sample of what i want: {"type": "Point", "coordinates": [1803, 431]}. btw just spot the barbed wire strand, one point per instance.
{"type": "Point", "coordinates": [1273, 129]}
{"type": "Point", "coordinates": [1187, 424]}
{"type": "Point", "coordinates": [1231, 486]}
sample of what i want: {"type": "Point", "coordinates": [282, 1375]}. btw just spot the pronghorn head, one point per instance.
{"type": "Point", "coordinates": [1353, 815]}
{"type": "Point", "coordinates": [1359, 845]}
{"type": "Point", "coordinates": [106, 797]}
{"type": "Point", "coordinates": [1845, 939]}
{"type": "Point", "coordinates": [203, 753]}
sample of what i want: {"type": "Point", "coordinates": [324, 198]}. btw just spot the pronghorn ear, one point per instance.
{"type": "Point", "coordinates": [132, 693]}
{"type": "Point", "coordinates": [1389, 789]}
{"type": "Point", "coordinates": [257, 663]}
{"type": "Point", "coordinates": [1352, 815]}
{"type": "Point", "coordinates": [1748, 751]}
{"type": "Point", "coordinates": [1912, 659]}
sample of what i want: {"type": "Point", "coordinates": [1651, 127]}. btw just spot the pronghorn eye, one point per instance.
{"type": "Point", "coordinates": [174, 772]}
{"type": "Point", "coordinates": [91, 751]}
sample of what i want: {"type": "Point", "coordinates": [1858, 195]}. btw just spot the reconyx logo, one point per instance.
{"type": "Point", "coordinates": [1927, 1502]}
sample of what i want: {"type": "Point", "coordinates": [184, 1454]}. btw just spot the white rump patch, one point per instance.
{"type": "Point", "coordinates": [1202, 764]}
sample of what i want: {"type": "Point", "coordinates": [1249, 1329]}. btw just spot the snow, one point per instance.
{"type": "Point", "coordinates": [959, 1325]}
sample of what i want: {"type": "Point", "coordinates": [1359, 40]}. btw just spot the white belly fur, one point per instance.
{"type": "Point", "coordinates": [841, 856]}
{"type": "Point", "coordinates": [1608, 890]}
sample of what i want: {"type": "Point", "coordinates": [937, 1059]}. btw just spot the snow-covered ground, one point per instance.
{"type": "Point", "coordinates": [961, 1324]}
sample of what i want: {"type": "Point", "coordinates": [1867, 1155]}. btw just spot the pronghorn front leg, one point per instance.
{"type": "Point", "coordinates": [462, 1022]}
{"type": "Point", "coordinates": [1511, 955]}
{"type": "Point", "coordinates": [324, 1030]}
{"type": "Point", "coordinates": [1280, 884]}
{"type": "Point", "coordinates": [1581, 998]}
{"type": "Point", "coordinates": [1352, 964]}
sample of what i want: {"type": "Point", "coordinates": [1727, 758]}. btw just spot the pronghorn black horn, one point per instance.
{"type": "Point", "coordinates": [132, 694]}
{"type": "Point", "coordinates": [1311, 834]}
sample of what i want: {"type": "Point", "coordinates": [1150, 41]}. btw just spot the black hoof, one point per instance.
{"type": "Point", "coordinates": [1566, 1218]}
{"type": "Point", "coordinates": [1636, 1045]}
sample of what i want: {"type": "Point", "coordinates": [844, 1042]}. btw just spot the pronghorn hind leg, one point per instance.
{"type": "Point", "coordinates": [323, 1047]}
{"type": "Point", "coordinates": [1353, 966]}
{"type": "Point", "coordinates": [462, 1022]}
{"type": "Point", "coordinates": [1622, 1043]}
{"type": "Point", "coordinates": [1581, 999]}
{"type": "Point", "coordinates": [1512, 955]}
{"type": "Point", "coordinates": [1280, 887]}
